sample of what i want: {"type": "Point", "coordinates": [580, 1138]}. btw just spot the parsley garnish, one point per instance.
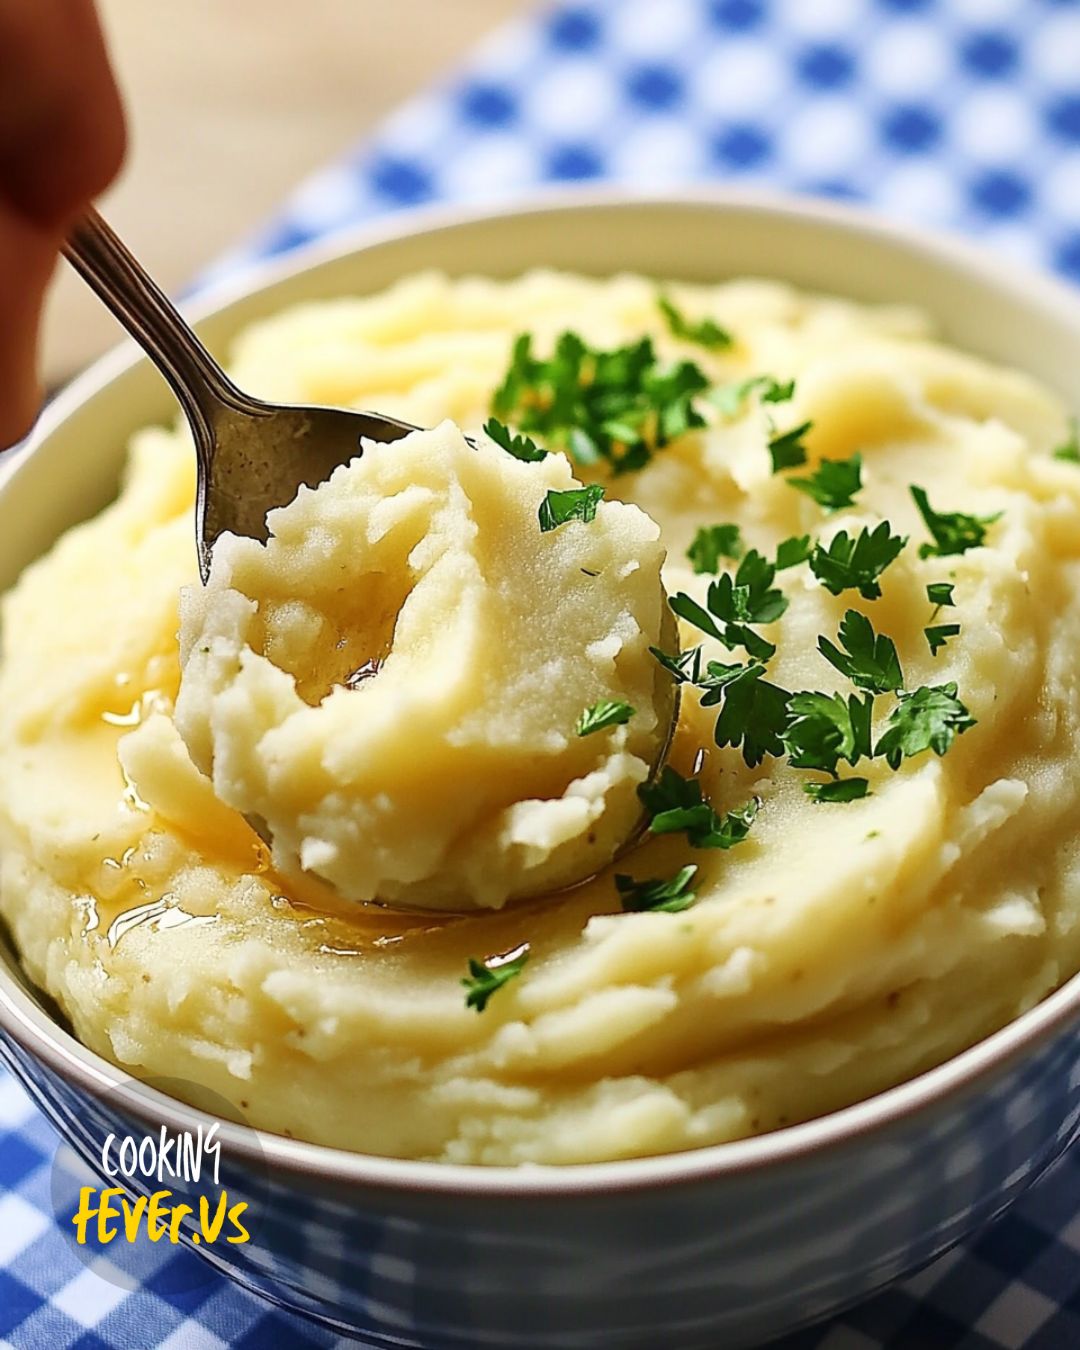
{"type": "Point", "coordinates": [734, 602]}
{"type": "Point", "coordinates": [729, 398]}
{"type": "Point", "coordinates": [676, 803]}
{"type": "Point", "coordinates": [928, 719]}
{"type": "Point", "coordinates": [488, 977]}
{"type": "Point", "coordinates": [671, 896]}
{"type": "Point", "coordinates": [834, 483]}
{"type": "Point", "coordinates": [616, 406]}
{"type": "Point", "coordinates": [792, 552]}
{"type": "Point", "coordinates": [609, 712]}
{"type": "Point", "coordinates": [856, 564]}
{"type": "Point", "coordinates": [686, 667]}
{"type": "Point", "coordinates": [825, 728]}
{"type": "Point", "coordinates": [521, 447]}
{"type": "Point", "coordinates": [869, 659]}
{"type": "Point", "coordinates": [754, 712]}
{"type": "Point", "coordinates": [787, 450]}
{"type": "Point", "coordinates": [939, 634]}
{"type": "Point", "coordinates": [1069, 449]}
{"type": "Point", "coordinates": [953, 532]}
{"type": "Point", "coordinates": [940, 594]}
{"type": "Point", "coordinates": [558, 508]}
{"type": "Point", "coordinates": [705, 332]}
{"type": "Point", "coordinates": [713, 542]}
{"type": "Point", "coordinates": [838, 790]}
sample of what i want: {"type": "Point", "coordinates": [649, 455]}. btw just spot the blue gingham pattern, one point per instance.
{"type": "Point", "coordinates": [958, 113]}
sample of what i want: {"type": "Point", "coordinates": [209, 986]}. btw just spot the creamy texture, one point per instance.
{"type": "Point", "coordinates": [839, 950]}
{"type": "Point", "coordinates": [392, 685]}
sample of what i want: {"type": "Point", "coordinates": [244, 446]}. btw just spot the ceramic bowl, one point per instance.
{"type": "Point", "coordinates": [726, 1246]}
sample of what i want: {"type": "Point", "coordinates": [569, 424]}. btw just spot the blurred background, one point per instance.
{"type": "Point", "coordinates": [230, 105]}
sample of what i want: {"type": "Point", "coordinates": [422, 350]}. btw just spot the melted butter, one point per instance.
{"type": "Point", "coordinates": [158, 915]}
{"type": "Point", "coordinates": [153, 700]}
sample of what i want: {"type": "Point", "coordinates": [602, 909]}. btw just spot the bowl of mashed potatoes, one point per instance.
{"type": "Point", "coordinates": [341, 836]}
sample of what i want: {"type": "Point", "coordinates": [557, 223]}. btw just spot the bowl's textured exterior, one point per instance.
{"type": "Point", "coordinates": [727, 1246]}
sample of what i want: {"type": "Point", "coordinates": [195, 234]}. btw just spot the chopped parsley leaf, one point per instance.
{"type": "Point", "coordinates": [753, 713]}
{"type": "Point", "coordinates": [488, 977]}
{"type": "Point", "coordinates": [838, 790]}
{"type": "Point", "coordinates": [713, 542]}
{"type": "Point", "coordinates": [940, 594]}
{"type": "Point", "coordinates": [786, 450]}
{"type": "Point", "coordinates": [617, 406]}
{"type": "Point", "coordinates": [676, 803]}
{"type": "Point", "coordinates": [953, 531]}
{"type": "Point", "coordinates": [939, 634]}
{"type": "Point", "coordinates": [1069, 449]}
{"type": "Point", "coordinates": [609, 712]}
{"type": "Point", "coordinates": [823, 729]}
{"type": "Point", "coordinates": [869, 659]}
{"type": "Point", "coordinates": [792, 552]}
{"type": "Point", "coordinates": [928, 719]}
{"type": "Point", "coordinates": [671, 896]}
{"type": "Point", "coordinates": [834, 484]}
{"type": "Point", "coordinates": [733, 602]}
{"type": "Point", "coordinates": [705, 332]}
{"type": "Point", "coordinates": [686, 667]}
{"type": "Point", "coordinates": [521, 447]}
{"type": "Point", "coordinates": [558, 508]}
{"type": "Point", "coordinates": [856, 564]}
{"type": "Point", "coordinates": [729, 398]}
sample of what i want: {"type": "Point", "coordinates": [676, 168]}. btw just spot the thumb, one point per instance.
{"type": "Point", "coordinates": [27, 257]}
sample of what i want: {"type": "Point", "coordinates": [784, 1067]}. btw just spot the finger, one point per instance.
{"type": "Point", "coordinates": [62, 135]}
{"type": "Point", "coordinates": [27, 257]}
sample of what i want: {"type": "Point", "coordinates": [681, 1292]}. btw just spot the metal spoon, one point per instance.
{"type": "Point", "coordinates": [254, 456]}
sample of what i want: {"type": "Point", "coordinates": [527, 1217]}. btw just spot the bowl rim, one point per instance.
{"type": "Point", "coordinates": [30, 1026]}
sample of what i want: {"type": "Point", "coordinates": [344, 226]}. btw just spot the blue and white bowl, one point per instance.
{"type": "Point", "coordinates": [726, 1246]}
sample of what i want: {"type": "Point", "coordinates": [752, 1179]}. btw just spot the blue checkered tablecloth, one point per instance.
{"type": "Point", "coordinates": [962, 113]}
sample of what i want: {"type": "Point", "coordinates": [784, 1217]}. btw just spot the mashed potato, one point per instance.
{"type": "Point", "coordinates": [393, 684]}
{"type": "Point", "coordinates": [839, 949]}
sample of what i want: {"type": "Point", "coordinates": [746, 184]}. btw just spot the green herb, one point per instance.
{"type": "Point", "coordinates": [787, 450]}
{"type": "Point", "coordinates": [938, 635]}
{"type": "Point", "coordinates": [1069, 449]}
{"type": "Point", "coordinates": [615, 406]}
{"type": "Point", "coordinates": [729, 398]}
{"type": "Point", "coordinates": [928, 719]}
{"type": "Point", "coordinates": [676, 803]}
{"type": "Point", "coordinates": [705, 332]}
{"type": "Point", "coordinates": [838, 790]}
{"type": "Point", "coordinates": [488, 977]}
{"type": "Point", "coordinates": [953, 532]}
{"type": "Point", "coordinates": [792, 552]}
{"type": "Point", "coordinates": [940, 594]}
{"type": "Point", "coordinates": [753, 712]}
{"type": "Point", "coordinates": [686, 667]}
{"type": "Point", "coordinates": [671, 896]}
{"type": "Point", "coordinates": [713, 542]}
{"type": "Point", "coordinates": [856, 564]}
{"type": "Point", "coordinates": [521, 447]}
{"type": "Point", "coordinates": [834, 483]}
{"type": "Point", "coordinates": [609, 712]}
{"type": "Point", "coordinates": [869, 659]}
{"type": "Point", "coordinates": [733, 602]}
{"type": "Point", "coordinates": [558, 508]}
{"type": "Point", "coordinates": [823, 729]}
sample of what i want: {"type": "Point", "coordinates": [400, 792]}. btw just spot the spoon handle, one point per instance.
{"type": "Point", "coordinates": [202, 387]}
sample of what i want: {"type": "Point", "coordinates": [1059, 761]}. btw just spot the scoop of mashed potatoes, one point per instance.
{"type": "Point", "coordinates": [393, 684]}
{"type": "Point", "coordinates": [838, 949]}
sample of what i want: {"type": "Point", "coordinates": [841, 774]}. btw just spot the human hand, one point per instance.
{"type": "Point", "coordinates": [62, 141]}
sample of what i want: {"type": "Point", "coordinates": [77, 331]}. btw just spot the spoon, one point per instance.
{"type": "Point", "coordinates": [254, 456]}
